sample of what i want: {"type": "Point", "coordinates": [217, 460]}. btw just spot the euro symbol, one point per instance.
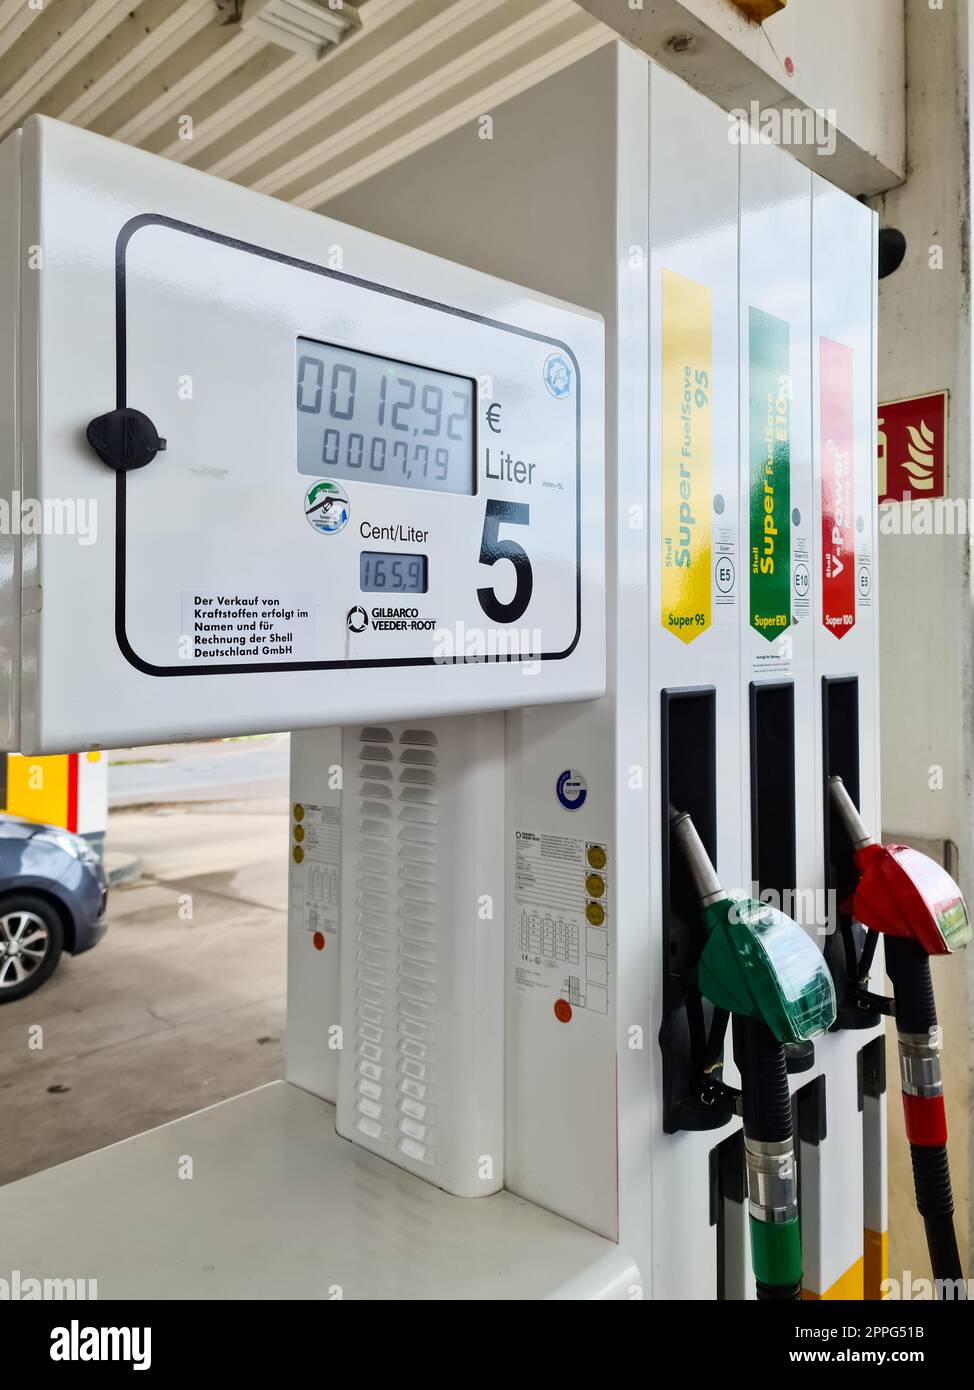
{"type": "Point", "coordinates": [494, 417]}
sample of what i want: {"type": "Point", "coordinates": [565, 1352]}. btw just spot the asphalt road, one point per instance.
{"type": "Point", "coordinates": [214, 771]}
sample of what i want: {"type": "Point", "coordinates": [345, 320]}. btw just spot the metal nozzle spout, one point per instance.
{"type": "Point", "coordinates": [851, 820]}
{"type": "Point", "coordinates": [702, 871]}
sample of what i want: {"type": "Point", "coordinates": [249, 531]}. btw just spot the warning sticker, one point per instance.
{"type": "Point", "coordinates": [725, 564]}
{"type": "Point", "coordinates": [561, 889]}
{"type": "Point", "coordinates": [864, 574]}
{"type": "Point", "coordinates": [243, 624]}
{"type": "Point", "coordinates": [316, 856]}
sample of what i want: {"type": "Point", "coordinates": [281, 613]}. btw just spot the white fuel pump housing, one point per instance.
{"type": "Point", "coordinates": [379, 491]}
{"type": "Point", "coordinates": [498, 1084]}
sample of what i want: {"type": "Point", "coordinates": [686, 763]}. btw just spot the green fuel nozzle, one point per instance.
{"type": "Point", "coordinates": [760, 967]}
{"type": "Point", "coordinates": [757, 963]}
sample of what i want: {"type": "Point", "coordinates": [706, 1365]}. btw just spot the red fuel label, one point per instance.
{"type": "Point", "coordinates": [838, 489]}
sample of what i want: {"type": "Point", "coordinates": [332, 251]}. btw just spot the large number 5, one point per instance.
{"type": "Point", "coordinates": [493, 549]}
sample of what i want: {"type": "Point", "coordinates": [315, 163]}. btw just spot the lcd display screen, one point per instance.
{"type": "Point", "coordinates": [384, 572]}
{"type": "Point", "coordinates": [363, 418]}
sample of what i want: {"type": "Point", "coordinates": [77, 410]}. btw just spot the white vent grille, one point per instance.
{"type": "Point", "coordinates": [307, 27]}
{"type": "Point", "coordinates": [396, 941]}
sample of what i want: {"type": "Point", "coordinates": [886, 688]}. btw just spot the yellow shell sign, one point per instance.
{"type": "Point", "coordinates": [686, 457]}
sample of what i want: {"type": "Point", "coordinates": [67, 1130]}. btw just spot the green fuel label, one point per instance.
{"type": "Point", "coordinates": [770, 460]}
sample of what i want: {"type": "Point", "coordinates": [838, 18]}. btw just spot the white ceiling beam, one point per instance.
{"type": "Point", "coordinates": [64, 34]}
{"type": "Point", "coordinates": [241, 102]}
{"type": "Point", "coordinates": [406, 28]}
{"type": "Point", "coordinates": [15, 16]}
{"type": "Point", "coordinates": [438, 69]}
{"type": "Point", "coordinates": [146, 37]}
{"type": "Point", "coordinates": [9, 8]}
{"type": "Point", "coordinates": [169, 90]}
{"type": "Point", "coordinates": [283, 124]}
{"type": "Point", "coordinates": [228, 104]}
{"type": "Point", "coordinates": [547, 54]}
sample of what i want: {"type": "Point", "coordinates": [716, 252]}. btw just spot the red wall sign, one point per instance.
{"type": "Point", "coordinates": [838, 488]}
{"type": "Point", "coordinates": [912, 448]}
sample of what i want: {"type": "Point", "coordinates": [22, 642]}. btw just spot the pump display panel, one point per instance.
{"type": "Point", "coordinates": [334, 478]}
{"type": "Point", "coordinates": [380, 452]}
{"type": "Point", "coordinates": [370, 420]}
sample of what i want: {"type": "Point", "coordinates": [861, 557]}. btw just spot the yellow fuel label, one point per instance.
{"type": "Point", "coordinates": [687, 456]}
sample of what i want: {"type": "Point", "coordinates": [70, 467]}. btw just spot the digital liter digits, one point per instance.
{"type": "Point", "coordinates": [371, 419]}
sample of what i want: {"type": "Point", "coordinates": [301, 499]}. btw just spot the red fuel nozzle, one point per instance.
{"type": "Point", "coordinates": [910, 899]}
{"type": "Point", "coordinates": [902, 892]}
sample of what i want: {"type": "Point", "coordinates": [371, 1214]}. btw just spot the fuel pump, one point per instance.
{"type": "Point", "coordinates": [759, 967]}
{"type": "Point", "coordinates": [421, 449]}
{"type": "Point", "coordinates": [917, 906]}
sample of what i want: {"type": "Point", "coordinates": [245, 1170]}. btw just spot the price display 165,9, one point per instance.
{"type": "Point", "coordinates": [373, 419]}
{"type": "Point", "coordinates": [387, 572]}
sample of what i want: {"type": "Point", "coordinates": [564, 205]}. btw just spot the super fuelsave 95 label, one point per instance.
{"type": "Point", "coordinates": [686, 456]}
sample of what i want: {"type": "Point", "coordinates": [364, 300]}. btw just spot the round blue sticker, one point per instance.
{"type": "Point", "coordinates": [572, 789]}
{"type": "Point", "coordinates": [558, 375]}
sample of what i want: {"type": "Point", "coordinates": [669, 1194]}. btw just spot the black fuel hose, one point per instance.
{"type": "Point", "coordinates": [769, 1149]}
{"type": "Point", "coordinates": [908, 966]}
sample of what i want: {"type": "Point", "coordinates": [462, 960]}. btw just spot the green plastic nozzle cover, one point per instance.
{"type": "Point", "coordinates": [758, 963]}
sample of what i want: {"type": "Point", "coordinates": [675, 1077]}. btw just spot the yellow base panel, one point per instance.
{"type": "Point", "coordinates": [876, 1264]}
{"type": "Point", "coordinates": [847, 1288]}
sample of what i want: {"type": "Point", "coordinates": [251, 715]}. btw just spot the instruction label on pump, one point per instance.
{"type": "Point", "coordinates": [686, 461]}
{"type": "Point", "coordinates": [838, 488]}
{"type": "Point", "coordinates": [561, 931]}
{"type": "Point", "coordinates": [240, 624]}
{"type": "Point", "coordinates": [770, 474]}
{"type": "Point", "coordinates": [316, 856]}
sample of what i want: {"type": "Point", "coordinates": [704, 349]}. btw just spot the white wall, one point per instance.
{"type": "Point", "coordinates": [926, 609]}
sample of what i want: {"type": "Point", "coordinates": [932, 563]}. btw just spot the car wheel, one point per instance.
{"type": "Point", "coordinates": [31, 941]}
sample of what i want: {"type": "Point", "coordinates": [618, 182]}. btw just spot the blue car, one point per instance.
{"type": "Point", "coordinates": [53, 894]}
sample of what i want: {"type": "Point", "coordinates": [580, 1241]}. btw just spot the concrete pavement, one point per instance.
{"type": "Point", "coordinates": [181, 1005]}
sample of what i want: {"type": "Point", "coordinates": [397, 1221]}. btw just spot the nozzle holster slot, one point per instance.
{"type": "Point", "coordinates": [840, 757]}
{"type": "Point", "coordinates": [773, 828]}
{"type": "Point", "coordinates": [871, 1065]}
{"type": "Point", "coordinates": [773, 789]}
{"type": "Point", "coordinates": [692, 1031]}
